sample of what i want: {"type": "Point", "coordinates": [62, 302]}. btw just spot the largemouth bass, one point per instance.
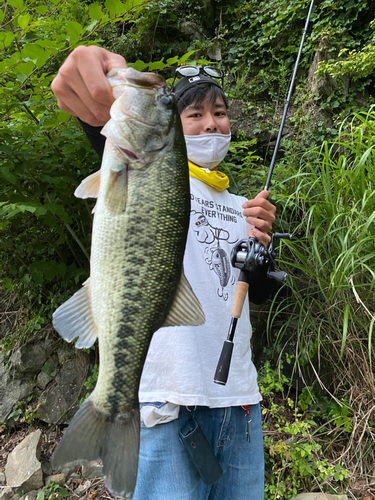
{"type": "Point", "coordinates": [136, 284]}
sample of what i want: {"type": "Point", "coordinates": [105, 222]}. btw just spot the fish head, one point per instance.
{"type": "Point", "coordinates": [143, 115]}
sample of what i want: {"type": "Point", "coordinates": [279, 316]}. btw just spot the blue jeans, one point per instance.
{"type": "Point", "coordinates": [166, 473]}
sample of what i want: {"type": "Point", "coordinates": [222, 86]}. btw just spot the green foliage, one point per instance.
{"type": "Point", "coordinates": [241, 164]}
{"type": "Point", "coordinates": [263, 38]}
{"type": "Point", "coordinates": [25, 411]}
{"type": "Point", "coordinates": [92, 379]}
{"type": "Point", "coordinates": [295, 458]}
{"type": "Point", "coordinates": [53, 492]}
{"type": "Point", "coordinates": [356, 63]}
{"type": "Point", "coordinates": [45, 232]}
{"type": "Point", "coordinates": [47, 369]}
{"type": "Point", "coordinates": [326, 311]}
{"type": "Point", "coordinates": [331, 204]}
{"type": "Point", "coordinates": [91, 382]}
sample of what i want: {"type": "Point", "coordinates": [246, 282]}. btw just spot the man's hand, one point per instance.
{"type": "Point", "coordinates": [81, 87]}
{"type": "Point", "coordinates": [260, 215]}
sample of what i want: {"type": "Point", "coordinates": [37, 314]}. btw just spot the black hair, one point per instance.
{"type": "Point", "coordinates": [198, 93]}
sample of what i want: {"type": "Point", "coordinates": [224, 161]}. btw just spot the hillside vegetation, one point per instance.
{"type": "Point", "coordinates": [319, 326]}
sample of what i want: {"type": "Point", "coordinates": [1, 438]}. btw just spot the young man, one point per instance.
{"type": "Point", "coordinates": [177, 386]}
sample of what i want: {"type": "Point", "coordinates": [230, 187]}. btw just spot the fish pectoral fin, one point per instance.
{"type": "Point", "coordinates": [74, 318]}
{"type": "Point", "coordinates": [186, 308]}
{"type": "Point", "coordinates": [117, 191]}
{"type": "Point", "coordinates": [89, 187]}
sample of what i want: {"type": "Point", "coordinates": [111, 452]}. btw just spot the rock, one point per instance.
{"type": "Point", "coordinates": [47, 468]}
{"type": "Point", "coordinates": [64, 353]}
{"type": "Point", "coordinates": [61, 399]}
{"type": "Point", "coordinates": [56, 478]}
{"type": "Point", "coordinates": [324, 85]}
{"type": "Point", "coordinates": [51, 366]}
{"type": "Point", "coordinates": [31, 357]}
{"type": "Point", "coordinates": [92, 471]}
{"type": "Point", "coordinates": [14, 386]}
{"type": "Point", "coordinates": [319, 496]}
{"type": "Point", "coordinates": [43, 380]}
{"type": "Point", "coordinates": [192, 30]}
{"type": "Point", "coordinates": [2, 479]}
{"type": "Point", "coordinates": [68, 471]}
{"type": "Point", "coordinates": [245, 121]}
{"type": "Point", "coordinates": [74, 475]}
{"type": "Point", "coordinates": [31, 495]}
{"type": "Point", "coordinates": [16, 497]}
{"type": "Point", "coordinates": [82, 487]}
{"type": "Point", "coordinates": [6, 493]}
{"type": "Point", "coordinates": [23, 469]}
{"type": "Point", "coordinates": [37, 392]}
{"type": "Point", "coordinates": [214, 52]}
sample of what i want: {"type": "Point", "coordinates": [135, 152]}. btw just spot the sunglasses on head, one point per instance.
{"type": "Point", "coordinates": [186, 71]}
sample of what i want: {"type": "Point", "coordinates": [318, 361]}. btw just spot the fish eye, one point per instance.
{"type": "Point", "coordinates": [166, 101]}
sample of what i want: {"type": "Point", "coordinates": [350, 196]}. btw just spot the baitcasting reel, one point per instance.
{"type": "Point", "coordinates": [248, 254]}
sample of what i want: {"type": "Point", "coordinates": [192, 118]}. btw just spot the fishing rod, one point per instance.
{"type": "Point", "coordinates": [248, 254]}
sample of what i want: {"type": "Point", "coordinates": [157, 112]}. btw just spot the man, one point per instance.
{"type": "Point", "coordinates": [177, 387]}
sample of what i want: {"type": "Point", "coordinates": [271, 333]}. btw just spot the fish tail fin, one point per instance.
{"type": "Point", "coordinates": [91, 435]}
{"type": "Point", "coordinates": [120, 458]}
{"type": "Point", "coordinates": [83, 440]}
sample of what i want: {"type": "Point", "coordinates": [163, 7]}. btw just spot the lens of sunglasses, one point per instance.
{"type": "Point", "coordinates": [214, 72]}
{"type": "Point", "coordinates": [188, 70]}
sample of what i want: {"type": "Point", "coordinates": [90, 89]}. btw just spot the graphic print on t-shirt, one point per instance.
{"type": "Point", "coordinates": [217, 227]}
{"type": "Point", "coordinates": [216, 257]}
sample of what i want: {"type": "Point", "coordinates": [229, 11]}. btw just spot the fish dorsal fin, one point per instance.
{"type": "Point", "coordinates": [186, 308]}
{"type": "Point", "coordinates": [89, 187]}
{"type": "Point", "coordinates": [74, 318]}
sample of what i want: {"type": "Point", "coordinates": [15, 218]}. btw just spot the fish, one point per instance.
{"type": "Point", "coordinates": [220, 264]}
{"type": "Point", "coordinates": [136, 283]}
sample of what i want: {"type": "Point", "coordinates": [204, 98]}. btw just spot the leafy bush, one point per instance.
{"type": "Point", "coordinates": [296, 453]}
{"type": "Point", "coordinates": [45, 232]}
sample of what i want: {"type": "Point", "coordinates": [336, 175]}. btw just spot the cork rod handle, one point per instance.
{"type": "Point", "coordinates": [239, 298]}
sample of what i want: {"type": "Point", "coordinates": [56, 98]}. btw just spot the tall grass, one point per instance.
{"type": "Point", "coordinates": [328, 197]}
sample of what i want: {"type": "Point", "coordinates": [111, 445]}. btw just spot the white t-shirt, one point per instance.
{"type": "Point", "coordinates": [181, 361]}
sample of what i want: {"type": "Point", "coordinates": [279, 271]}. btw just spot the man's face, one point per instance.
{"type": "Point", "coordinates": [206, 118]}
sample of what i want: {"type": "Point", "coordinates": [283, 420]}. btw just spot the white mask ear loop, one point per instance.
{"type": "Point", "coordinates": [207, 150]}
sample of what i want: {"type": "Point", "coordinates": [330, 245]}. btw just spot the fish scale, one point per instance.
{"type": "Point", "coordinates": [154, 271]}
{"type": "Point", "coordinates": [137, 283]}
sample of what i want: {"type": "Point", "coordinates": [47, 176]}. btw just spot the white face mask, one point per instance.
{"type": "Point", "coordinates": [207, 150]}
